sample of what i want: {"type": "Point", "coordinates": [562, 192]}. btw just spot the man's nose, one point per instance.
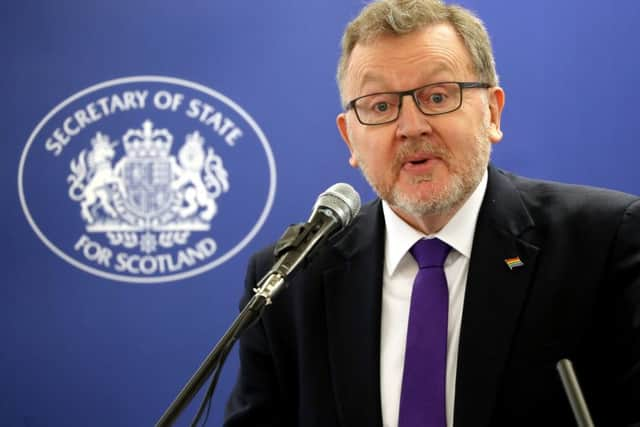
{"type": "Point", "coordinates": [411, 121]}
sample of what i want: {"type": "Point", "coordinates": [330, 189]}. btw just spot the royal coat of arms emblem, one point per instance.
{"type": "Point", "coordinates": [148, 197]}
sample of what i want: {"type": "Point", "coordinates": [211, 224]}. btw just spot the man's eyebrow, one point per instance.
{"type": "Point", "coordinates": [377, 77]}
{"type": "Point", "coordinates": [370, 77]}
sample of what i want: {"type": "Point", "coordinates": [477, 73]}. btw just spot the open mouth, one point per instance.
{"type": "Point", "coordinates": [419, 161]}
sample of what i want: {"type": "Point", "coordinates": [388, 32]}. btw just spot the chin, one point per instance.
{"type": "Point", "coordinates": [432, 200]}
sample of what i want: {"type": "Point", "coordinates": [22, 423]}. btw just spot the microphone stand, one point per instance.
{"type": "Point", "coordinates": [247, 316]}
{"type": "Point", "coordinates": [296, 243]}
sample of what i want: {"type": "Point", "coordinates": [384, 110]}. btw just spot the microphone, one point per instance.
{"type": "Point", "coordinates": [574, 393]}
{"type": "Point", "coordinates": [333, 211]}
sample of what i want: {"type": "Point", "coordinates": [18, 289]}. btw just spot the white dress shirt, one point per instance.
{"type": "Point", "coordinates": [400, 270]}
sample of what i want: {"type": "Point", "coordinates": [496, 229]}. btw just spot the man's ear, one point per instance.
{"type": "Point", "coordinates": [496, 104]}
{"type": "Point", "coordinates": [341, 122]}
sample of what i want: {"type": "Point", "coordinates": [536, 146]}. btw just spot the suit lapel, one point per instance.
{"type": "Point", "coordinates": [495, 295]}
{"type": "Point", "coordinates": [353, 286]}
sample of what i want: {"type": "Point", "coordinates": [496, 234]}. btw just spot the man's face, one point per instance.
{"type": "Point", "coordinates": [421, 165]}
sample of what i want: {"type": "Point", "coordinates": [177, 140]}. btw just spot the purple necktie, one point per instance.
{"type": "Point", "coordinates": [422, 401]}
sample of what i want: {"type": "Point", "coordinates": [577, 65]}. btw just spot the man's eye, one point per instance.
{"type": "Point", "coordinates": [437, 98]}
{"type": "Point", "coordinates": [381, 107]}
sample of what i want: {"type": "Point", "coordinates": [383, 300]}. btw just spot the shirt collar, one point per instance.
{"type": "Point", "coordinates": [457, 233]}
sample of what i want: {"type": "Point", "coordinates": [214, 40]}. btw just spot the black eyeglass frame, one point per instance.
{"type": "Point", "coordinates": [351, 105]}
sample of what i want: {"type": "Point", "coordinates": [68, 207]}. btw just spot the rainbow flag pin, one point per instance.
{"type": "Point", "coordinates": [514, 262]}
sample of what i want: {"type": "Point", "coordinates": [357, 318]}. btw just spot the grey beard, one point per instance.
{"type": "Point", "coordinates": [460, 187]}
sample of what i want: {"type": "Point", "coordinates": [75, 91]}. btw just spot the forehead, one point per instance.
{"type": "Point", "coordinates": [392, 62]}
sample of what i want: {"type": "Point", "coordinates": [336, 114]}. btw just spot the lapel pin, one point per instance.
{"type": "Point", "coordinates": [514, 262]}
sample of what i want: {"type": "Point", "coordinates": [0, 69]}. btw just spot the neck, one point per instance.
{"type": "Point", "coordinates": [427, 223]}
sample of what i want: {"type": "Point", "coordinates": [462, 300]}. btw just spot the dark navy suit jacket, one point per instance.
{"type": "Point", "coordinates": [313, 359]}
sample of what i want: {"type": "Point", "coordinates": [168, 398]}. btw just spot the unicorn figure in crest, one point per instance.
{"type": "Point", "coordinates": [198, 192]}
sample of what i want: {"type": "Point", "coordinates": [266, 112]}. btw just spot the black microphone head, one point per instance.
{"type": "Point", "coordinates": [342, 200]}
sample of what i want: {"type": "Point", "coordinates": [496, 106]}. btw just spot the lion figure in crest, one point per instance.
{"type": "Point", "coordinates": [93, 177]}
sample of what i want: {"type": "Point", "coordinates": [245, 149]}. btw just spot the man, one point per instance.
{"type": "Point", "coordinates": [533, 272]}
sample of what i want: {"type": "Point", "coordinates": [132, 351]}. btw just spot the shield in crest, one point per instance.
{"type": "Point", "coordinates": [147, 183]}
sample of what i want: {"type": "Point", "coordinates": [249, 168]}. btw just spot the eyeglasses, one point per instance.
{"type": "Point", "coordinates": [432, 100]}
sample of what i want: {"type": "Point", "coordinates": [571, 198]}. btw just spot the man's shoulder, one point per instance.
{"type": "Point", "coordinates": [549, 194]}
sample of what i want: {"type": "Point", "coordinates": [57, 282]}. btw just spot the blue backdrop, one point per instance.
{"type": "Point", "coordinates": [95, 332]}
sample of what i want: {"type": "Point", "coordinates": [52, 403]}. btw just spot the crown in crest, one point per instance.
{"type": "Point", "coordinates": [101, 141]}
{"type": "Point", "coordinates": [147, 142]}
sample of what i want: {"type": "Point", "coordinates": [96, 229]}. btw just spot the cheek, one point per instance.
{"type": "Point", "coordinates": [453, 139]}
{"type": "Point", "coordinates": [369, 145]}
{"type": "Point", "coordinates": [379, 158]}
{"type": "Point", "coordinates": [462, 136]}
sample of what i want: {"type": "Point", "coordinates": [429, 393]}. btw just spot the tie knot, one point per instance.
{"type": "Point", "coordinates": [430, 252]}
